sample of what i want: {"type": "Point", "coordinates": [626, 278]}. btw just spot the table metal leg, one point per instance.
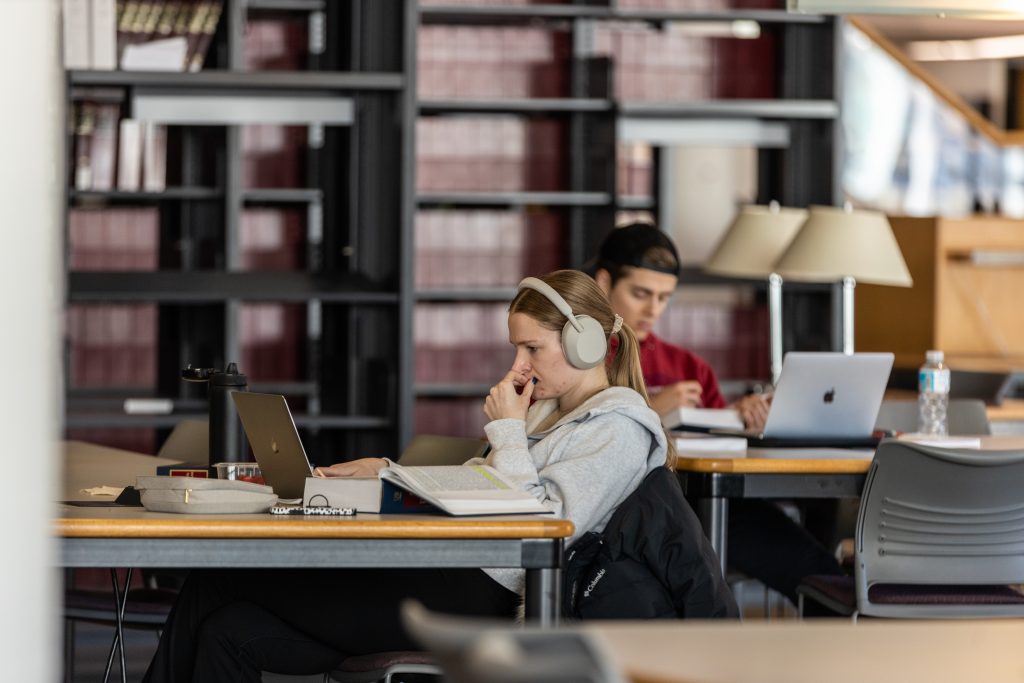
{"type": "Point", "coordinates": [714, 514]}
{"type": "Point", "coordinates": [120, 598]}
{"type": "Point", "coordinates": [543, 596]}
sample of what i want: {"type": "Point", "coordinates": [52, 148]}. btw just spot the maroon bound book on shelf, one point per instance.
{"type": "Point", "coordinates": [85, 124]}
{"type": "Point", "coordinates": [204, 35]}
{"type": "Point", "coordinates": [104, 146]}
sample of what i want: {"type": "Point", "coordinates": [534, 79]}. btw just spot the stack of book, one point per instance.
{"type": "Point", "coordinates": [140, 35]}
{"type": "Point", "coordinates": [111, 152]}
{"type": "Point", "coordinates": [486, 248]}
{"type": "Point", "coordinates": [273, 156]}
{"type": "Point", "coordinates": [698, 5]}
{"type": "Point", "coordinates": [456, 417]}
{"type": "Point", "coordinates": [634, 172]}
{"type": "Point", "coordinates": [112, 346]}
{"type": "Point", "coordinates": [114, 238]}
{"type": "Point", "coordinates": [272, 239]}
{"type": "Point", "coordinates": [272, 339]}
{"type": "Point", "coordinates": [677, 65]}
{"type": "Point", "coordinates": [278, 43]}
{"type": "Point", "coordinates": [461, 343]}
{"type": "Point", "coordinates": [492, 62]}
{"type": "Point", "coordinates": [731, 336]}
{"type": "Point", "coordinates": [492, 154]}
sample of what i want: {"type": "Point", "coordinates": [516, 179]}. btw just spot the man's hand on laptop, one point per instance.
{"type": "Point", "coordinates": [685, 394]}
{"type": "Point", "coordinates": [753, 410]}
{"type": "Point", "coordinates": [364, 467]}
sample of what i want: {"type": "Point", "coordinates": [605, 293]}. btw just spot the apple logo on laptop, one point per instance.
{"type": "Point", "coordinates": [273, 447]}
{"type": "Point", "coordinates": [829, 396]}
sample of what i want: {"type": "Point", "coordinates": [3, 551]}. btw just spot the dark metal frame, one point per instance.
{"type": "Point", "coordinates": [357, 285]}
{"type": "Point", "coordinates": [713, 490]}
{"type": "Point", "coordinates": [794, 176]}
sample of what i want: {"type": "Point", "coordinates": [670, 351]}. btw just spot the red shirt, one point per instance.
{"type": "Point", "coordinates": [663, 364]}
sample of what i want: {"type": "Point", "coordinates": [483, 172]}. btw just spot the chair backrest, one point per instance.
{"type": "Point", "coordinates": [189, 441]}
{"type": "Point", "coordinates": [940, 517]}
{"type": "Point", "coordinates": [491, 651]}
{"type": "Point", "coordinates": [432, 449]}
{"type": "Point", "coordinates": [966, 417]}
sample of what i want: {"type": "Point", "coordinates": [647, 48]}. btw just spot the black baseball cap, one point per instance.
{"type": "Point", "coordinates": [628, 246]}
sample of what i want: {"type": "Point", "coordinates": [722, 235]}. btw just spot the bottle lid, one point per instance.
{"type": "Point", "coordinates": [934, 356]}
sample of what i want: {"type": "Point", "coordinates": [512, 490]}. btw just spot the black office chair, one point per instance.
{"type": "Point", "coordinates": [938, 536]}
{"type": "Point", "coordinates": [491, 651]}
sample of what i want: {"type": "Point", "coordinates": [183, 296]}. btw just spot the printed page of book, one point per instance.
{"type": "Point", "coordinates": [464, 490]}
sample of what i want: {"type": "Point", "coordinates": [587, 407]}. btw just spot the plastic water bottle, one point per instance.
{"type": "Point", "coordinates": [933, 395]}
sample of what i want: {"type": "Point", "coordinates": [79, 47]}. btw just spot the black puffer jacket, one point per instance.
{"type": "Point", "coordinates": [651, 561]}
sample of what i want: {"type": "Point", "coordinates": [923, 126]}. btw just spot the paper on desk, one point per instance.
{"type": "Point", "coordinates": [812, 453]}
{"type": "Point", "coordinates": [699, 446]}
{"type": "Point", "coordinates": [942, 441]}
{"type": "Point", "coordinates": [104, 490]}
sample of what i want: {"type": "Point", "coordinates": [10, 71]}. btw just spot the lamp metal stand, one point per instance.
{"type": "Point", "coordinates": [775, 324]}
{"type": "Point", "coordinates": [849, 284]}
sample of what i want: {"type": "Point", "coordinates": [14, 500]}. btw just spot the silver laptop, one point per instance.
{"type": "Point", "coordinates": [275, 441]}
{"type": "Point", "coordinates": [826, 399]}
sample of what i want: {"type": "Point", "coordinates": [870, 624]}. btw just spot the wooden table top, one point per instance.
{"type": "Point", "coordinates": [836, 651]}
{"type": "Point", "coordinates": [125, 522]}
{"type": "Point", "coordinates": [808, 460]}
{"type": "Point", "coordinates": [775, 461]}
{"type": "Point", "coordinates": [88, 465]}
{"type": "Point", "coordinates": [1010, 410]}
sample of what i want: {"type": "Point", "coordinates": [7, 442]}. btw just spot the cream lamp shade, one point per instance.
{"type": "Point", "coordinates": [755, 240]}
{"type": "Point", "coordinates": [838, 243]}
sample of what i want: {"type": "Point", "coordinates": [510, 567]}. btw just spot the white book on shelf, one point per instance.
{"type": "Point", "coordinates": [129, 157]}
{"type": "Point", "coordinates": [77, 33]}
{"type": "Point", "coordinates": [703, 418]}
{"type": "Point", "coordinates": [167, 54]}
{"type": "Point", "coordinates": [104, 35]}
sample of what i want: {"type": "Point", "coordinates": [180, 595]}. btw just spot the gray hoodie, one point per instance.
{"type": "Point", "coordinates": [584, 465]}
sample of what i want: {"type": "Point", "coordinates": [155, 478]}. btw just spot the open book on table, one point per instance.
{"type": "Point", "coordinates": [455, 489]}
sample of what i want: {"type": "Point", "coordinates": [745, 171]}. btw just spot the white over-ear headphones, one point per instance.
{"type": "Point", "coordinates": [583, 340]}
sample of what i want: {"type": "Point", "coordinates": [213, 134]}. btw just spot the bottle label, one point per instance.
{"type": "Point", "coordinates": [933, 381]}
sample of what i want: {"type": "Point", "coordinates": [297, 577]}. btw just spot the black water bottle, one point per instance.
{"type": "Point", "coordinates": [226, 439]}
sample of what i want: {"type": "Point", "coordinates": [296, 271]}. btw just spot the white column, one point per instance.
{"type": "Point", "coordinates": [849, 284]}
{"type": "Point", "coordinates": [31, 295]}
{"type": "Point", "coordinates": [775, 324]}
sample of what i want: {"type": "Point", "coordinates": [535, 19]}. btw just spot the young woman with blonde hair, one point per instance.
{"type": "Point", "coordinates": [583, 446]}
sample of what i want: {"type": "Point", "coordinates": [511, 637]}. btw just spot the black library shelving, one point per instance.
{"type": "Point", "coordinates": [798, 171]}
{"type": "Point", "coordinates": [351, 284]}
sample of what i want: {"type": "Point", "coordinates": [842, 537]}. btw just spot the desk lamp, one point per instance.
{"type": "Point", "coordinates": [843, 244]}
{"type": "Point", "coordinates": [749, 249]}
